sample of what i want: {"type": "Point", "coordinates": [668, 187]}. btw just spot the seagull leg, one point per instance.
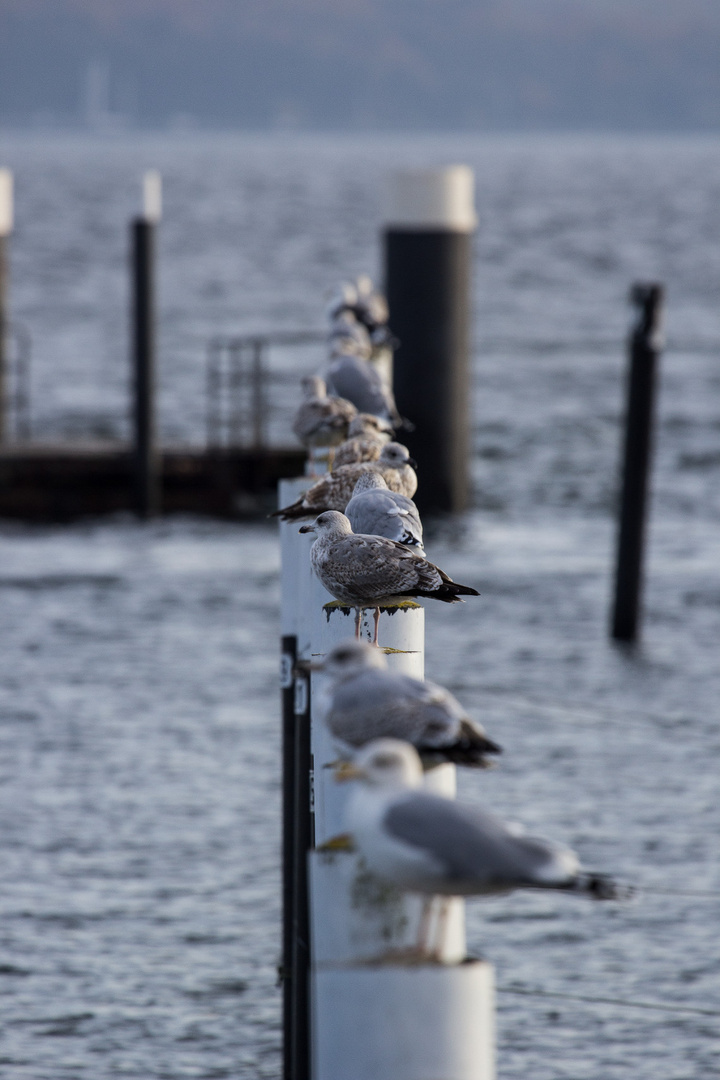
{"type": "Point", "coordinates": [377, 620]}
{"type": "Point", "coordinates": [358, 615]}
{"type": "Point", "coordinates": [424, 926]}
{"type": "Point", "coordinates": [441, 928]}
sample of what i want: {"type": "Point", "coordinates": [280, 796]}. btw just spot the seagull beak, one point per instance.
{"type": "Point", "coordinates": [342, 842]}
{"type": "Point", "coordinates": [345, 770]}
{"type": "Point", "coordinates": [413, 462]}
{"type": "Point", "coordinates": [306, 528]}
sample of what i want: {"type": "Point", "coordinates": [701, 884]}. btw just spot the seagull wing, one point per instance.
{"type": "Point", "coordinates": [477, 852]}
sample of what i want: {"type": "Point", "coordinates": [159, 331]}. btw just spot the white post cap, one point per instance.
{"type": "Point", "coordinates": [152, 196]}
{"type": "Point", "coordinates": [441, 198]}
{"type": "Point", "coordinates": [6, 202]}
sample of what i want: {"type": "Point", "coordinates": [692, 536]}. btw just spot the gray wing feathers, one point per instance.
{"type": "Point", "coordinates": [474, 848]}
{"type": "Point", "coordinates": [382, 703]}
{"type": "Point", "coordinates": [385, 513]}
{"type": "Point", "coordinates": [352, 378]}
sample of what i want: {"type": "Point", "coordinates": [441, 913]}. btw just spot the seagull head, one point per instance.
{"type": "Point", "coordinates": [344, 297]}
{"type": "Point", "coordinates": [329, 523]}
{"type": "Point", "coordinates": [395, 455]}
{"type": "Point", "coordinates": [313, 387]}
{"type": "Point", "coordinates": [351, 657]}
{"type": "Point", "coordinates": [369, 480]}
{"type": "Point", "coordinates": [384, 763]}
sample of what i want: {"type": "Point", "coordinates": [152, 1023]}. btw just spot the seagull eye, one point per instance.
{"type": "Point", "coordinates": [384, 761]}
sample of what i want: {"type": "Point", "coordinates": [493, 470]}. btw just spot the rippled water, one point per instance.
{"type": "Point", "coordinates": [139, 721]}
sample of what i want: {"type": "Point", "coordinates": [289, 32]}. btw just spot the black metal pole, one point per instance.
{"type": "Point", "coordinates": [303, 841]}
{"type": "Point", "coordinates": [427, 282]}
{"type": "Point", "coordinates": [147, 462]}
{"type": "Point", "coordinates": [644, 349]}
{"type": "Point", "coordinates": [287, 684]}
{"type": "Point", "coordinates": [4, 321]}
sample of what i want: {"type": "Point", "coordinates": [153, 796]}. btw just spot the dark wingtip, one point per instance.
{"type": "Point", "coordinates": [605, 887]}
{"type": "Point", "coordinates": [462, 590]}
{"type": "Point", "coordinates": [294, 511]}
{"type": "Point", "coordinates": [469, 749]}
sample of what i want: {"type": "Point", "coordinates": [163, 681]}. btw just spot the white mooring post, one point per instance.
{"type": "Point", "coordinates": [361, 1006]}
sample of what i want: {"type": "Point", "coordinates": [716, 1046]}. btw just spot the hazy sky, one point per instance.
{"type": "Point", "coordinates": [361, 64]}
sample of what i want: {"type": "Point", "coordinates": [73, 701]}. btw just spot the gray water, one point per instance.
{"type": "Point", "coordinates": [139, 718]}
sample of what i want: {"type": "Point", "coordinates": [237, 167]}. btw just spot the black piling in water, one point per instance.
{"type": "Point", "coordinates": [287, 686]}
{"type": "Point", "coordinates": [143, 320]}
{"type": "Point", "coordinates": [6, 224]}
{"type": "Point", "coordinates": [645, 345]}
{"type": "Point", "coordinates": [303, 842]}
{"type": "Point", "coordinates": [4, 397]}
{"type": "Point", "coordinates": [428, 262]}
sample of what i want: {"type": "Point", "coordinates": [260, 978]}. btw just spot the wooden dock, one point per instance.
{"type": "Point", "coordinates": [58, 483]}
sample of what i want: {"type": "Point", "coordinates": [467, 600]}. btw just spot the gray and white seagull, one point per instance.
{"type": "Point", "coordinates": [424, 843]}
{"type": "Point", "coordinates": [377, 510]}
{"type": "Point", "coordinates": [367, 434]}
{"type": "Point", "coordinates": [334, 490]}
{"type": "Point", "coordinates": [362, 570]}
{"type": "Point", "coordinates": [321, 420]}
{"type": "Point", "coordinates": [363, 700]}
{"type": "Point", "coordinates": [353, 377]}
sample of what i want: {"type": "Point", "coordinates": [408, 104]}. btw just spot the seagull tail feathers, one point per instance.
{"type": "Point", "coordinates": [451, 592]}
{"type": "Point", "coordinates": [601, 887]}
{"type": "Point", "coordinates": [470, 749]}
{"type": "Point", "coordinates": [294, 510]}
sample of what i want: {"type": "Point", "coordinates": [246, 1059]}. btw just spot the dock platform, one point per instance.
{"type": "Point", "coordinates": [60, 483]}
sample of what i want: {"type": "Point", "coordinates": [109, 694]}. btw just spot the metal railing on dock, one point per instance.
{"type": "Point", "coordinates": [238, 385]}
{"type": "Point", "coordinates": [17, 403]}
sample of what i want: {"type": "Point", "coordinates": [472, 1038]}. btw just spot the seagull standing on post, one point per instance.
{"type": "Point", "coordinates": [362, 570]}
{"type": "Point", "coordinates": [367, 434]}
{"type": "Point", "coordinates": [365, 700]}
{"type": "Point", "coordinates": [321, 420]}
{"type": "Point", "coordinates": [334, 490]}
{"type": "Point", "coordinates": [425, 843]}
{"type": "Point", "coordinates": [376, 510]}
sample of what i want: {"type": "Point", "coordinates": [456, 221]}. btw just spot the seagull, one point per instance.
{"type": "Point", "coordinates": [367, 434]}
{"type": "Point", "coordinates": [351, 376]}
{"type": "Point", "coordinates": [425, 843]}
{"type": "Point", "coordinates": [347, 335]}
{"type": "Point", "coordinates": [362, 570]}
{"type": "Point", "coordinates": [365, 700]}
{"type": "Point", "coordinates": [376, 510]}
{"type": "Point", "coordinates": [334, 490]}
{"type": "Point", "coordinates": [321, 421]}
{"type": "Point", "coordinates": [344, 299]}
{"type": "Point", "coordinates": [370, 308]}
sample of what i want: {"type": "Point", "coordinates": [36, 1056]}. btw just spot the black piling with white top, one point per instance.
{"type": "Point", "coordinates": [147, 458]}
{"type": "Point", "coordinates": [428, 263]}
{"type": "Point", "coordinates": [6, 224]}
{"type": "Point", "coordinates": [645, 345]}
